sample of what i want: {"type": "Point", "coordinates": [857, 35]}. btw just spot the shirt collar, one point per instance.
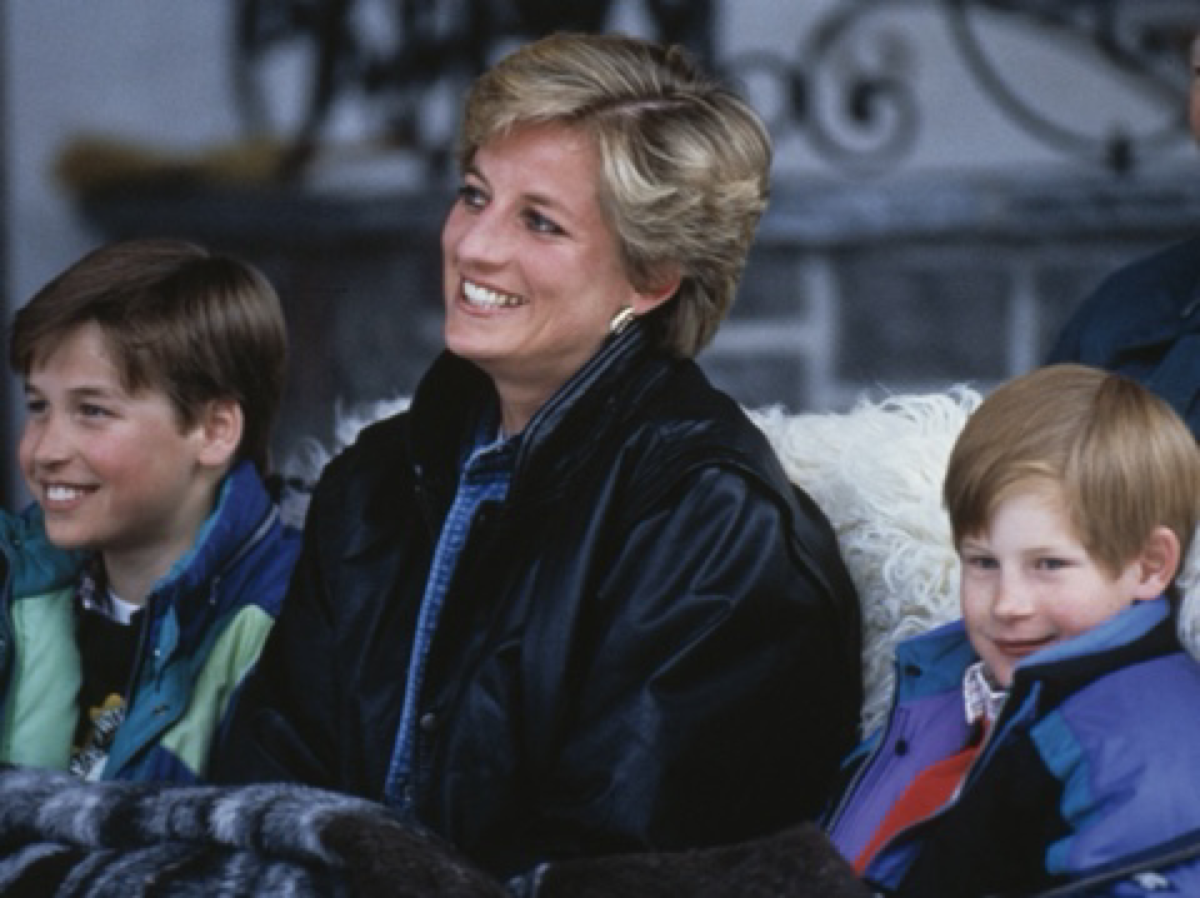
{"type": "Point", "coordinates": [981, 698]}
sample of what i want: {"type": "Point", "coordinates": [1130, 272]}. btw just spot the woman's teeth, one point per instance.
{"type": "Point", "coordinates": [489, 299]}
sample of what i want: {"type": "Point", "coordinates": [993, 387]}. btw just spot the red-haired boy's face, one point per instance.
{"type": "Point", "coordinates": [1028, 583]}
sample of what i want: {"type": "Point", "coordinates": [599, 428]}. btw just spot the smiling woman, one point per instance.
{"type": "Point", "coordinates": [533, 275]}
{"type": "Point", "coordinates": [568, 603]}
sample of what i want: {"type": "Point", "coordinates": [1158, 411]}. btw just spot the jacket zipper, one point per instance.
{"type": "Point", "coordinates": [990, 740]}
{"type": "Point", "coordinates": [260, 533]}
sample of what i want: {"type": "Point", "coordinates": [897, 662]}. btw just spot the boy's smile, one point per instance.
{"type": "Point", "coordinates": [56, 494]}
{"type": "Point", "coordinates": [1028, 583]}
{"type": "Point", "coordinates": [58, 498]}
{"type": "Point", "coordinates": [112, 471]}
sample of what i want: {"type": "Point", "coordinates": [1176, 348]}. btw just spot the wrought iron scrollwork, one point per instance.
{"type": "Point", "coordinates": [406, 61]}
{"type": "Point", "coordinates": [849, 89]}
{"type": "Point", "coordinates": [1143, 42]}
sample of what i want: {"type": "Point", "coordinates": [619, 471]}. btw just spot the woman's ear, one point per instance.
{"type": "Point", "coordinates": [1158, 563]}
{"type": "Point", "coordinates": [665, 284]}
{"type": "Point", "coordinates": [220, 432]}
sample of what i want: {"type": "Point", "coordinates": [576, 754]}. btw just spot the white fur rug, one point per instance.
{"type": "Point", "coordinates": [876, 471]}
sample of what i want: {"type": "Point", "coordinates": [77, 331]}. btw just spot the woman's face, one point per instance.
{"type": "Point", "coordinates": [532, 274]}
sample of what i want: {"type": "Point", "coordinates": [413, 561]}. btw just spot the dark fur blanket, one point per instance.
{"type": "Point", "coordinates": [63, 837]}
{"type": "Point", "coordinates": [60, 836]}
{"type": "Point", "coordinates": [798, 863]}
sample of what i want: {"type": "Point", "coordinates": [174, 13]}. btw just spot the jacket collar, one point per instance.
{"type": "Point", "coordinates": [936, 661]}
{"type": "Point", "coordinates": [1144, 630]}
{"type": "Point", "coordinates": [243, 515]}
{"type": "Point", "coordinates": [563, 432]}
{"type": "Point", "coordinates": [32, 564]}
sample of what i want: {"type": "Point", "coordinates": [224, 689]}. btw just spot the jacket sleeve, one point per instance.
{"type": "Point", "coordinates": [282, 722]}
{"type": "Point", "coordinates": [723, 684]}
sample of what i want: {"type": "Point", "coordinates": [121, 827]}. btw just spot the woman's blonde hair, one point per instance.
{"type": "Point", "coordinates": [685, 162]}
{"type": "Point", "coordinates": [1120, 457]}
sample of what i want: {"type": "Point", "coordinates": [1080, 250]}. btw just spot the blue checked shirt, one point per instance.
{"type": "Point", "coordinates": [484, 477]}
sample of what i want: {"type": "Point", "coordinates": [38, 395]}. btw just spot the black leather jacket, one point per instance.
{"type": "Point", "coordinates": [651, 643]}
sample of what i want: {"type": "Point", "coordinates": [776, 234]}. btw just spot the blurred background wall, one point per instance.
{"type": "Point", "coordinates": [952, 175]}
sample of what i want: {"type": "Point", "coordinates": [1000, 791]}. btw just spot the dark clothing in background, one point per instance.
{"type": "Point", "coordinates": [1144, 321]}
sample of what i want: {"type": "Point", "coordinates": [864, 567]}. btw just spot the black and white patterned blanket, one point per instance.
{"type": "Point", "coordinates": [60, 836]}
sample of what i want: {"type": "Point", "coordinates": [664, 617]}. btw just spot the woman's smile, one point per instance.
{"type": "Point", "coordinates": [480, 297]}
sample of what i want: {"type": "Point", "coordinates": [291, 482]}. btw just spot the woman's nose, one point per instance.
{"type": "Point", "coordinates": [482, 238]}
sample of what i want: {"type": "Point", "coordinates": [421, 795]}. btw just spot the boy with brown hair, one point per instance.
{"type": "Point", "coordinates": [143, 581]}
{"type": "Point", "coordinates": [1051, 734]}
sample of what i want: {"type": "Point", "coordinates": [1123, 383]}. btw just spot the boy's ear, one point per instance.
{"type": "Point", "coordinates": [220, 432]}
{"type": "Point", "coordinates": [1158, 562]}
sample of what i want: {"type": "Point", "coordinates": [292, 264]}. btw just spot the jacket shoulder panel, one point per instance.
{"type": "Point", "coordinates": [228, 662]}
{"type": "Point", "coordinates": [1127, 764]}
{"type": "Point", "coordinates": [35, 564]}
{"type": "Point", "coordinates": [40, 710]}
{"type": "Point", "coordinates": [1148, 301]}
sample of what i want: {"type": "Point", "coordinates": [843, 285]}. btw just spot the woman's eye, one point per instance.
{"type": "Point", "coordinates": [541, 224]}
{"type": "Point", "coordinates": [471, 196]}
{"type": "Point", "coordinates": [35, 406]}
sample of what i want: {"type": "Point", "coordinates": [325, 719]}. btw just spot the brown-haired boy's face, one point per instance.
{"type": "Point", "coordinates": [1028, 583]}
{"type": "Point", "coordinates": [112, 471]}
